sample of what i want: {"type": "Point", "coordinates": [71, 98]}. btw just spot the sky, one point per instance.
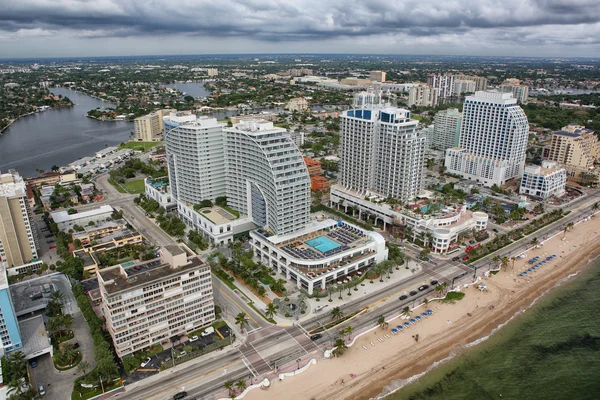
{"type": "Point", "coordinates": [62, 28]}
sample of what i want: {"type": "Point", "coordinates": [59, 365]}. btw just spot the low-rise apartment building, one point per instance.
{"type": "Point", "coordinates": [544, 181]}
{"type": "Point", "coordinates": [66, 221]}
{"type": "Point", "coordinates": [150, 303]}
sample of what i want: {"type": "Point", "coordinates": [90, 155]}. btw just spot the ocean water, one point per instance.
{"type": "Point", "coordinates": [552, 351]}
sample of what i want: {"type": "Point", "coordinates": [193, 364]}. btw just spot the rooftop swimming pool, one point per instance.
{"type": "Point", "coordinates": [323, 244]}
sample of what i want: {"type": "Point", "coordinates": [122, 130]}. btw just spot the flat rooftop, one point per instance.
{"type": "Point", "coordinates": [117, 279]}
{"type": "Point", "coordinates": [340, 237]}
{"type": "Point", "coordinates": [63, 216]}
{"type": "Point", "coordinates": [217, 215]}
{"type": "Point", "coordinates": [33, 335]}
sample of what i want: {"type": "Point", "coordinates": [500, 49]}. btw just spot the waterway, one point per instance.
{"type": "Point", "coordinates": [194, 89]}
{"type": "Point", "coordinates": [59, 136]}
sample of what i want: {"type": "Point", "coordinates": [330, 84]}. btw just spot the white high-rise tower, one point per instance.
{"type": "Point", "coordinates": [493, 139]}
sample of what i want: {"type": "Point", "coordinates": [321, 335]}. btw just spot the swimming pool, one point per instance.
{"type": "Point", "coordinates": [323, 243]}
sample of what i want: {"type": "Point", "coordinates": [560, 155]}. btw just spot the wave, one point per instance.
{"type": "Point", "coordinates": [398, 384]}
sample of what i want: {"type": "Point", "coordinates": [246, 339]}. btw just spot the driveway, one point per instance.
{"type": "Point", "coordinates": [59, 384]}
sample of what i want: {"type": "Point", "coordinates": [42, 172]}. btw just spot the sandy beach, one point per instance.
{"type": "Point", "coordinates": [447, 330]}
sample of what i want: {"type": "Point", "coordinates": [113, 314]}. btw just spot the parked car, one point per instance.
{"type": "Point", "coordinates": [145, 362]}
{"type": "Point", "coordinates": [433, 282]}
{"type": "Point", "coordinates": [48, 236]}
{"type": "Point", "coordinates": [455, 258]}
{"type": "Point", "coordinates": [423, 287]}
{"type": "Point", "coordinates": [403, 297]}
{"type": "Point", "coordinates": [33, 363]}
{"type": "Point", "coordinates": [76, 345]}
{"type": "Point", "coordinates": [49, 241]}
{"type": "Point", "coordinates": [316, 336]}
{"type": "Point", "coordinates": [53, 246]}
{"type": "Point", "coordinates": [495, 230]}
{"type": "Point", "coordinates": [183, 353]}
{"type": "Point", "coordinates": [180, 395]}
{"type": "Point", "coordinates": [194, 338]}
{"type": "Point", "coordinates": [414, 292]}
{"type": "Point", "coordinates": [208, 331]}
{"type": "Point", "coordinates": [42, 391]}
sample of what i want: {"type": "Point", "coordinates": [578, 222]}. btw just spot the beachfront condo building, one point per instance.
{"type": "Point", "coordinates": [480, 81]}
{"type": "Point", "coordinates": [493, 140]}
{"type": "Point", "coordinates": [575, 147]}
{"type": "Point", "coordinates": [462, 86]}
{"type": "Point", "coordinates": [544, 181]}
{"type": "Point", "coordinates": [18, 236]}
{"type": "Point", "coordinates": [446, 129]}
{"type": "Point", "coordinates": [151, 302]}
{"type": "Point", "coordinates": [444, 83]}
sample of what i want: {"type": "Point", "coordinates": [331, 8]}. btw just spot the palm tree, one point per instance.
{"type": "Point", "coordinates": [425, 302]}
{"type": "Point", "coordinates": [228, 385]}
{"type": "Point", "coordinates": [69, 354]}
{"type": "Point", "coordinates": [17, 364]}
{"type": "Point", "coordinates": [54, 168]}
{"type": "Point", "coordinates": [337, 314]}
{"type": "Point", "coordinates": [438, 290]}
{"type": "Point", "coordinates": [271, 310]}
{"type": "Point", "coordinates": [534, 242]}
{"type": "Point", "coordinates": [241, 385]}
{"type": "Point", "coordinates": [406, 311]}
{"type": "Point", "coordinates": [339, 347]}
{"type": "Point", "coordinates": [595, 208]}
{"type": "Point", "coordinates": [513, 259]}
{"type": "Point", "coordinates": [330, 290]}
{"type": "Point", "coordinates": [83, 366]}
{"type": "Point", "coordinates": [381, 322]}
{"type": "Point", "coordinates": [496, 260]}
{"type": "Point", "coordinates": [54, 326]}
{"type": "Point", "coordinates": [241, 319]}
{"type": "Point", "coordinates": [408, 233]}
{"type": "Point", "coordinates": [504, 262]}
{"type": "Point", "coordinates": [349, 331]}
{"type": "Point", "coordinates": [57, 296]}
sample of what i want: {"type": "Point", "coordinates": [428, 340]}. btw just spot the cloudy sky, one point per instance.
{"type": "Point", "coordinates": [47, 28]}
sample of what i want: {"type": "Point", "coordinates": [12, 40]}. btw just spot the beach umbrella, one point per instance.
{"type": "Point", "coordinates": [406, 324]}
{"type": "Point", "coordinates": [412, 321]}
{"type": "Point", "coordinates": [429, 312]}
{"type": "Point", "coordinates": [520, 274]}
{"type": "Point", "coordinates": [399, 327]}
{"type": "Point", "coordinates": [524, 272]}
{"type": "Point", "coordinates": [424, 314]}
{"type": "Point", "coordinates": [395, 330]}
{"type": "Point", "coordinates": [418, 317]}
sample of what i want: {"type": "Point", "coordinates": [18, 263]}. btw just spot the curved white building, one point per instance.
{"type": "Point", "coordinates": [266, 176]}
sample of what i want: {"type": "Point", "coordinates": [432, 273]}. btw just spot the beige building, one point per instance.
{"type": "Point", "coordinates": [149, 127]}
{"type": "Point", "coordinates": [514, 86]}
{"type": "Point", "coordinates": [297, 104]}
{"type": "Point", "coordinates": [575, 147]}
{"type": "Point", "coordinates": [378, 76]}
{"type": "Point", "coordinates": [151, 302]}
{"type": "Point", "coordinates": [480, 81]}
{"type": "Point", "coordinates": [463, 86]}
{"type": "Point", "coordinates": [355, 81]}
{"type": "Point", "coordinates": [18, 239]}
{"type": "Point", "coordinates": [423, 96]}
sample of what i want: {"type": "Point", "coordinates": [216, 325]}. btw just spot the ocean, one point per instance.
{"type": "Point", "coordinates": [552, 351]}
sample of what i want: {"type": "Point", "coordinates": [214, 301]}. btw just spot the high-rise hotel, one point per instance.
{"type": "Point", "coordinates": [382, 153]}
{"type": "Point", "coordinates": [261, 173]}
{"type": "Point", "coordinates": [493, 140]}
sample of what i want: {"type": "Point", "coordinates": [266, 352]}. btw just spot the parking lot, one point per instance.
{"type": "Point", "coordinates": [166, 356]}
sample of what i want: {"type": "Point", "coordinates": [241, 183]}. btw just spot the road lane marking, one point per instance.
{"type": "Point", "coordinates": [236, 303]}
{"type": "Point", "coordinates": [192, 380]}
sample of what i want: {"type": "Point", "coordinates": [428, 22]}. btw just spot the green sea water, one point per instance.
{"type": "Point", "coordinates": [550, 352]}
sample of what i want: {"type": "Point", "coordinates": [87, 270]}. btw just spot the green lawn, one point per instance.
{"type": "Point", "coordinates": [139, 146]}
{"type": "Point", "coordinates": [134, 187]}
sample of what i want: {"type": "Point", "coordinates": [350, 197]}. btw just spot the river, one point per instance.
{"type": "Point", "coordinates": [59, 136]}
{"type": "Point", "coordinates": [194, 89]}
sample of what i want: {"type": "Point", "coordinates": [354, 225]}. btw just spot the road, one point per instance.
{"type": "Point", "coordinates": [205, 381]}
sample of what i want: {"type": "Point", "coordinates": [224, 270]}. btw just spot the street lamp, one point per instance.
{"type": "Point", "coordinates": [298, 361]}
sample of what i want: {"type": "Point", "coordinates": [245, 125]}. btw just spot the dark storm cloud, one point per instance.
{"type": "Point", "coordinates": [289, 20]}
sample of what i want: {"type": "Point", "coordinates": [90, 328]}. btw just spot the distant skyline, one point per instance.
{"type": "Point", "coordinates": [87, 28]}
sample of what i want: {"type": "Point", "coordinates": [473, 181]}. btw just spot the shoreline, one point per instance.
{"type": "Point", "coordinates": [28, 114]}
{"type": "Point", "coordinates": [450, 332]}
{"type": "Point", "coordinates": [397, 385]}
